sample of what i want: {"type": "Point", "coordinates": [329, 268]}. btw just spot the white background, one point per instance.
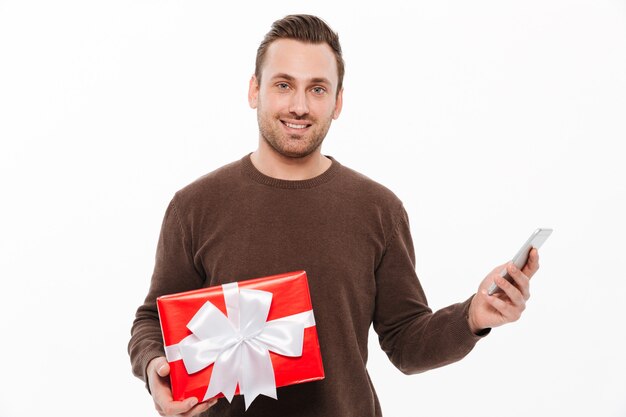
{"type": "Point", "coordinates": [487, 118]}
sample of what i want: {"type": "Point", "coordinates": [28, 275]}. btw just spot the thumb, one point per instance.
{"type": "Point", "coordinates": [161, 366]}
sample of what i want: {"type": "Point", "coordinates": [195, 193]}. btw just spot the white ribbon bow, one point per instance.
{"type": "Point", "coordinates": [239, 344]}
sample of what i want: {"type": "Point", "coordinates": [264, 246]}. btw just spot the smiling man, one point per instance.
{"type": "Point", "coordinates": [296, 96]}
{"type": "Point", "coordinates": [297, 93]}
{"type": "Point", "coordinates": [288, 207]}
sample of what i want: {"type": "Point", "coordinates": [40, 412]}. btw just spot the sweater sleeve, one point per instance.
{"type": "Point", "coordinates": [414, 338]}
{"type": "Point", "coordinates": [174, 272]}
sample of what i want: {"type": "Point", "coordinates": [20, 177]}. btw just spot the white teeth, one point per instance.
{"type": "Point", "coordinates": [291, 125]}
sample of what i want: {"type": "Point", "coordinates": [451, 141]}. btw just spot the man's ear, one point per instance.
{"type": "Point", "coordinates": [253, 92]}
{"type": "Point", "coordinates": [338, 104]}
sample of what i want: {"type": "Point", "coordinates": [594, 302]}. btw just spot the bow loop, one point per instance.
{"type": "Point", "coordinates": [285, 338]}
{"type": "Point", "coordinates": [220, 326]}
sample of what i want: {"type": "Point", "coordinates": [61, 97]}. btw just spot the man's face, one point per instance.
{"type": "Point", "coordinates": [297, 98]}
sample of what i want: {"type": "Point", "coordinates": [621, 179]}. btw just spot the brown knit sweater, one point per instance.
{"type": "Point", "coordinates": [352, 237]}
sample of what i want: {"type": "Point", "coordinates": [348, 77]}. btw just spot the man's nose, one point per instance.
{"type": "Point", "coordinates": [298, 104]}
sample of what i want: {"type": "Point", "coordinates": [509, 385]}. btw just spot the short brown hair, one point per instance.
{"type": "Point", "coordinates": [304, 28]}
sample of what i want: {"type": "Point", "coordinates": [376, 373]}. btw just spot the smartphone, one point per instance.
{"type": "Point", "coordinates": [521, 257]}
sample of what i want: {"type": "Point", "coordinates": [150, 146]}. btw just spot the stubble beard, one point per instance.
{"type": "Point", "coordinates": [292, 145]}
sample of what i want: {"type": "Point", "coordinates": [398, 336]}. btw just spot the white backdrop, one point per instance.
{"type": "Point", "coordinates": [487, 118]}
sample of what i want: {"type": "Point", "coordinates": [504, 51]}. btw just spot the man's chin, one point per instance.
{"type": "Point", "coordinates": [297, 152]}
{"type": "Point", "coordinates": [293, 145]}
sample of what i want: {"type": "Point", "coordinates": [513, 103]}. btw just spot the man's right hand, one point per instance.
{"type": "Point", "coordinates": [158, 381]}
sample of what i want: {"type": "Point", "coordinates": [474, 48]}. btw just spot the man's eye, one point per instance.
{"type": "Point", "coordinates": [319, 90]}
{"type": "Point", "coordinates": [282, 86]}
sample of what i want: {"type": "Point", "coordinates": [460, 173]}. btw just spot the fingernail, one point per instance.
{"type": "Point", "coordinates": [193, 401]}
{"type": "Point", "coordinates": [513, 268]}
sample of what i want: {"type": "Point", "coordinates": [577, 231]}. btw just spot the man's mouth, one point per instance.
{"type": "Point", "coordinates": [295, 125]}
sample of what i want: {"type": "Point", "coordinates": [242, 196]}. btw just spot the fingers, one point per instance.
{"type": "Point", "coordinates": [490, 278]}
{"type": "Point", "coordinates": [532, 264]}
{"type": "Point", "coordinates": [498, 269]}
{"type": "Point", "coordinates": [513, 302]}
{"type": "Point", "coordinates": [506, 314]}
{"type": "Point", "coordinates": [186, 408]}
{"type": "Point", "coordinates": [158, 371]}
{"type": "Point", "coordinates": [504, 306]}
{"type": "Point", "coordinates": [521, 281]}
{"type": "Point", "coordinates": [173, 408]}
{"type": "Point", "coordinates": [158, 381]}
{"type": "Point", "coordinates": [200, 408]}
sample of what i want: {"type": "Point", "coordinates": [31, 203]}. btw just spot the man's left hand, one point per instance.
{"type": "Point", "coordinates": [507, 305]}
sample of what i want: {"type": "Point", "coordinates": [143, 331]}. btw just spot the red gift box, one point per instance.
{"type": "Point", "coordinates": [253, 336]}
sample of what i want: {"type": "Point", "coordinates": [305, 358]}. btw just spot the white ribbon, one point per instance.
{"type": "Point", "coordinates": [239, 345]}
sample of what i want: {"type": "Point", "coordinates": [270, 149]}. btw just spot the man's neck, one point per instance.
{"type": "Point", "coordinates": [271, 163]}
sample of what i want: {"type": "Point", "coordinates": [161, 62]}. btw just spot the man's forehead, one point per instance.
{"type": "Point", "coordinates": [300, 60]}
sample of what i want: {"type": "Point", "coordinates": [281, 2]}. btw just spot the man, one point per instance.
{"type": "Point", "coordinates": [288, 207]}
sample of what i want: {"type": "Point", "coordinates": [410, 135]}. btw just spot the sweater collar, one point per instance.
{"type": "Point", "coordinates": [261, 178]}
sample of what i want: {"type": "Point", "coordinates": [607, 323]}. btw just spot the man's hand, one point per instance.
{"type": "Point", "coordinates": [158, 381]}
{"type": "Point", "coordinates": [507, 305]}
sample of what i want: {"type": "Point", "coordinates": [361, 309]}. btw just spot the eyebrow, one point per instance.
{"type": "Point", "coordinates": [317, 80]}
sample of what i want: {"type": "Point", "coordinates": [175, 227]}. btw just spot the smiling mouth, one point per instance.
{"type": "Point", "coordinates": [295, 125]}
